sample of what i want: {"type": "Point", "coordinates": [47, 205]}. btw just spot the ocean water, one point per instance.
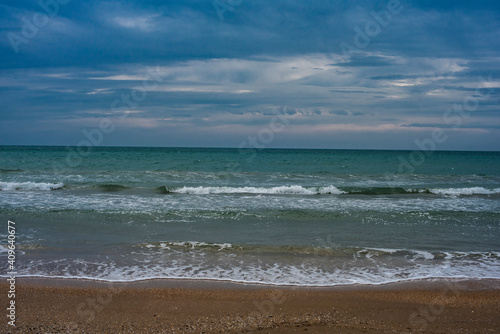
{"type": "Point", "coordinates": [285, 217]}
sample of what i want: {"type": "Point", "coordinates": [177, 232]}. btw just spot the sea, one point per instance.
{"type": "Point", "coordinates": [267, 216]}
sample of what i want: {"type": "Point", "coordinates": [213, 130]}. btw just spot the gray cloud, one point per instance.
{"type": "Point", "coordinates": [226, 77]}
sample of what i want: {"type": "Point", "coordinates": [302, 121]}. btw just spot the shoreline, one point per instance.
{"type": "Point", "coordinates": [177, 306]}
{"type": "Point", "coordinates": [469, 284]}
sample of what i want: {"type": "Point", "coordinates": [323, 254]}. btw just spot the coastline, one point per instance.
{"type": "Point", "coordinates": [186, 306]}
{"type": "Point", "coordinates": [468, 284]}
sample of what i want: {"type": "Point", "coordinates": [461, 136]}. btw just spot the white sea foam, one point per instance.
{"type": "Point", "coordinates": [345, 272]}
{"type": "Point", "coordinates": [385, 250]}
{"type": "Point", "coordinates": [30, 186]}
{"type": "Point", "coordinates": [190, 207]}
{"type": "Point", "coordinates": [294, 189]}
{"type": "Point", "coordinates": [464, 191]}
{"type": "Point", "coordinates": [190, 244]}
{"type": "Point", "coordinates": [425, 255]}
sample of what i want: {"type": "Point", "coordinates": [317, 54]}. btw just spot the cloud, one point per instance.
{"type": "Point", "coordinates": [228, 76]}
{"type": "Point", "coordinates": [145, 22]}
{"type": "Point", "coordinates": [340, 112]}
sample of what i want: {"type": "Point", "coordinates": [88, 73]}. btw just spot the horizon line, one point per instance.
{"type": "Point", "coordinates": [255, 148]}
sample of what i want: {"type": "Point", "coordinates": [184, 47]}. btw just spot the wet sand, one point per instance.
{"type": "Point", "coordinates": [79, 306]}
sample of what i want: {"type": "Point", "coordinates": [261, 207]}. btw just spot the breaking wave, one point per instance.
{"type": "Point", "coordinates": [30, 186]}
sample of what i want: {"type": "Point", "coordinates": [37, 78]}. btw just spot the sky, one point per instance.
{"type": "Point", "coordinates": [391, 74]}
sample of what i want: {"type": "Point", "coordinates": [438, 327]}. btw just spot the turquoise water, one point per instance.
{"type": "Point", "coordinates": [305, 217]}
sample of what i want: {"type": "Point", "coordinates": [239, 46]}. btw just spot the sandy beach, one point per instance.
{"type": "Point", "coordinates": [160, 306]}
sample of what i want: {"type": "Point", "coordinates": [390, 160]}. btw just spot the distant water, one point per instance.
{"type": "Point", "coordinates": [302, 217]}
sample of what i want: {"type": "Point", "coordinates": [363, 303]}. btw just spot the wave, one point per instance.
{"type": "Point", "coordinates": [330, 251]}
{"type": "Point", "coordinates": [2, 170]}
{"type": "Point", "coordinates": [381, 190]}
{"type": "Point", "coordinates": [295, 189]}
{"type": "Point", "coordinates": [112, 187]}
{"type": "Point", "coordinates": [188, 245]}
{"type": "Point", "coordinates": [465, 191]}
{"type": "Point", "coordinates": [6, 186]}
{"type": "Point", "coordinates": [260, 190]}
{"type": "Point", "coordinates": [328, 190]}
{"type": "Point", "coordinates": [436, 191]}
{"type": "Point", "coordinates": [223, 262]}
